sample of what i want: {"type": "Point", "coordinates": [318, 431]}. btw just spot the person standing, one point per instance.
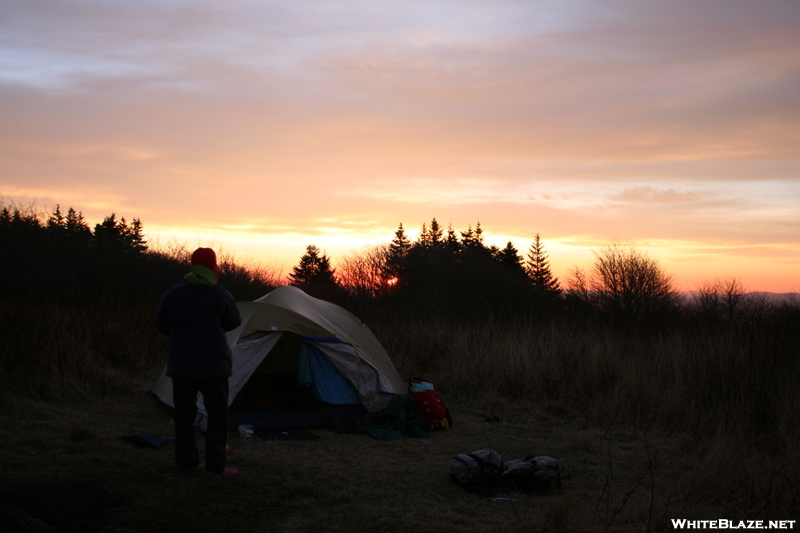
{"type": "Point", "coordinates": [195, 316]}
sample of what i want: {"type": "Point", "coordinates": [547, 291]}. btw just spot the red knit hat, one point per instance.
{"type": "Point", "coordinates": [207, 258]}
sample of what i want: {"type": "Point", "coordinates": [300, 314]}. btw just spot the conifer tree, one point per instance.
{"type": "Point", "coordinates": [18, 224]}
{"type": "Point", "coordinates": [118, 235]}
{"type": "Point", "coordinates": [27, 218]}
{"type": "Point", "coordinates": [451, 240]}
{"type": "Point", "coordinates": [538, 268]}
{"type": "Point", "coordinates": [397, 254]}
{"type": "Point", "coordinates": [472, 239]}
{"type": "Point", "coordinates": [75, 222]}
{"type": "Point", "coordinates": [107, 233]}
{"type": "Point", "coordinates": [314, 271]}
{"type": "Point", "coordinates": [133, 236]}
{"type": "Point", "coordinates": [435, 233]}
{"type": "Point", "coordinates": [467, 236]}
{"type": "Point", "coordinates": [400, 245]}
{"type": "Point", "coordinates": [77, 229]}
{"type": "Point", "coordinates": [56, 221]}
{"type": "Point", "coordinates": [509, 257]}
{"type": "Point", "coordinates": [424, 237]}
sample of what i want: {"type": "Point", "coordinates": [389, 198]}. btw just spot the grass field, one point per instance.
{"type": "Point", "coordinates": [691, 412]}
{"type": "Point", "coordinates": [697, 422]}
{"type": "Point", "coordinates": [67, 468]}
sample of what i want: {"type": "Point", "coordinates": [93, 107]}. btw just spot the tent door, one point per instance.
{"type": "Point", "coordinates": [295, 374]}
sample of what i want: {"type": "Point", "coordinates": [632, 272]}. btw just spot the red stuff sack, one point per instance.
{"type": "Point", "coordinates": [430, 406]}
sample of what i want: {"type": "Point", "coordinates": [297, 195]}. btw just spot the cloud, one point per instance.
{"type": "Point", "coordinates": [621, 81]}
{"type": "Point", "coordinates": [652, 195]}
{"type": "Point", "coordinates": [661, 120]}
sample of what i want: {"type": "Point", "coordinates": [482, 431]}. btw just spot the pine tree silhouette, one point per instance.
{"type": "Point", "coordinates": [538, 268]}
{"type": "Point", "coordinates": [314, 273]}
{"type": "Point", "coordinates": [509, 257]}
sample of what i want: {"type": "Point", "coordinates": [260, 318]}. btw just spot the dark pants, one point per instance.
{"type": "Point", "coordinates": [215, 398]}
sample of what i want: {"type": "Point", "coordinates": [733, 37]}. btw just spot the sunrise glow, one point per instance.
{"type": "Point", "coordinates": [262, 127]}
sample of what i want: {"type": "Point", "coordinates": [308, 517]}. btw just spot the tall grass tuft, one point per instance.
{"type": "Point", "coordinates": [59, 352]}
{"type": "Point", "coordinates": [685, 378]}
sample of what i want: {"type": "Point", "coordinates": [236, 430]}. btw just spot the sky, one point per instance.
{"type": "Point", "coordinates": [260, 127]}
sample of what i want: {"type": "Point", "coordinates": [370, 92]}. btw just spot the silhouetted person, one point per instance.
{"type": "Point", "coordinates": [195, 315]}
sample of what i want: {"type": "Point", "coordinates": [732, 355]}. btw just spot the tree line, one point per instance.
{"type": "Point", "coordinates": [441, 273]}
{"type": "Point", "coordinates": [440, 269]}
{"type": "Point", "coordinates": [448, 274]}
{"type": "Point", "coordinates": [455, 274]}
{"type": "Point", "coordinates": [60, 257]}
{"type": "Point", "coordinates": [110, 234]}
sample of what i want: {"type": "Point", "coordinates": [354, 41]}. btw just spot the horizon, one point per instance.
{"type": "Point", "coordinates": [269, 262]}
{"type": "Point", "coordinates": [262, 127]}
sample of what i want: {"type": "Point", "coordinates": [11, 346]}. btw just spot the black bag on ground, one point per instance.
{"type": "Point", "coordinates": [532, 474]}
{"type": "Point", "coordinates": [479, 472]}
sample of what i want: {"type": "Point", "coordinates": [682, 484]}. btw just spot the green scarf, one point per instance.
{"type": "Point", "coordinates": [201, 276]}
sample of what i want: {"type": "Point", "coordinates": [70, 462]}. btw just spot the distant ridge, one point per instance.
{"type": "Point", "coordinates": [770, 297]}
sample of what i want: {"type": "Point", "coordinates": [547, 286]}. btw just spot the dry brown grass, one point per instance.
{"type": "Point", "coordinates": [68, 467]}
{"type": "Point", "coordinates": [685, 381]}
{"type": "Point", "coordinates": [646, 429]}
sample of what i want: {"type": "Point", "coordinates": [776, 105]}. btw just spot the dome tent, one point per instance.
{"type": "Point", "coordinates": [298, 361]}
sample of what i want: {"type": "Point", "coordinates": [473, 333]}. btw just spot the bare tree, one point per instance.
{"type": "Point", "coordinates": [721, 298]}
{"type": "Point", "coordinates": [364, 273]}
{"type": "Point", "coordinates": [623, 281]}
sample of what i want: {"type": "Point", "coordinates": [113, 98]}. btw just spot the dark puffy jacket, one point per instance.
{"type": "Point", "coordinates": [196, 319]}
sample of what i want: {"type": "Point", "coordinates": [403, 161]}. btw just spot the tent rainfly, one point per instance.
{"type": "Point", "coordinates": [298, 360]}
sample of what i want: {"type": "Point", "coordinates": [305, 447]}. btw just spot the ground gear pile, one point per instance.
{"type": "Point", "coordinates": [532, 474]}
{"type": "Point", "coordinates": [485, 473]}
{"type": "Point", "coordinates": [479, 472]}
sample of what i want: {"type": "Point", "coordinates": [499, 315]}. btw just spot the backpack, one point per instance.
{"type": "Point", "coordinates": [532, 474]}
{"type": "Point", "coordinates": [430, 406]}
{"type": "Point", "coordinates": [479, 472]}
